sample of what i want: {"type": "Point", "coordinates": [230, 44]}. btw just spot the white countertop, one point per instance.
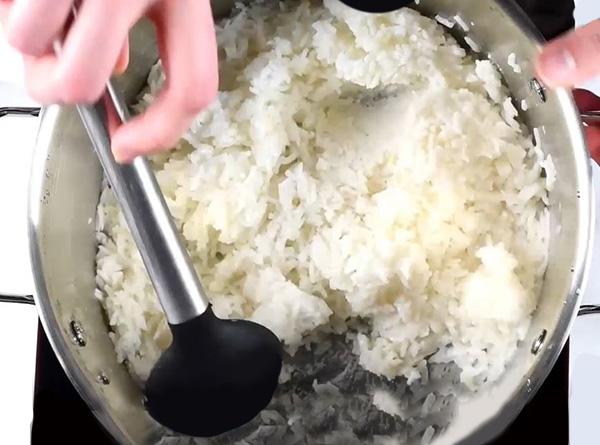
{"type": "Point", "coordinates": [18, 324]}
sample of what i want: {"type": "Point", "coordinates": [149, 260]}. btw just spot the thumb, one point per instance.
{"type": "Point", "coordinates": [123, 59]}
{"type": "Point", "coordinates": [571, 59]}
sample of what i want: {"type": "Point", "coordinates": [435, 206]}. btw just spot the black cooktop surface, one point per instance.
{"type": "Point", "coordinates": [60, 415]}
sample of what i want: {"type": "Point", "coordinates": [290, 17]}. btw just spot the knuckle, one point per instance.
{"type": "Point", "coordinates": [164, 141]}
{"type": "Point", "coordinates": [24, 39]}
{"type": "Point", "coordinates": [111, 5]}
{"type": "Point", "coordinates": [74, 86]}
{"type": "Point", "coordinates": [78, 93]}
{"type": "Point", "coordinates": [42, 92]}
{"type": "Point", "coordinates": [20, 42]}
{"type": "Point", "coordinates": [205, 92]}
{"type": "Point", "coordinates": [203, 86]}
{"type": "Point", "coordinates": [37, 94]}
{"type": "Point", "coordinates": [194, 103]}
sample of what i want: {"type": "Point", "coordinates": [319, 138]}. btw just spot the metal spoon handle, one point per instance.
{"type": "Point", "coordinates": [591, 117]}
{"type": "Point", "coordinates": [150, 222]}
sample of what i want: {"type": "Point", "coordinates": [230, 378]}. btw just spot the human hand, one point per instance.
{"type": "Point", "coordinates": [572, 59]}
{"type": "Point", "coordinates": [95, 46]}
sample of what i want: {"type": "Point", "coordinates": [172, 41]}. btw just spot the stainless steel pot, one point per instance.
{"type": "Point", "coordinates": [65, 186]}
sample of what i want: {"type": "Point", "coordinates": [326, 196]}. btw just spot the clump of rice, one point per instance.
{"type": "Point", "coordinates": [354, 167]}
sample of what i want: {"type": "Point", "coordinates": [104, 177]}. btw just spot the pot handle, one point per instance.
{"type": "Point", "coordinates": [589, 309]}
{"type": "Point", "coordinates": [23, 299]}
{"type": "Point", "coordinates": [18, 111]}
{"type": "Point", "coordinates": [589, 118]}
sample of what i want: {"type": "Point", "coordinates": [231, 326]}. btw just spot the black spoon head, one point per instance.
{"type": "Point", "coordinates": [217, 375]}
{"type": "Point", "coordinates": [377, 6]}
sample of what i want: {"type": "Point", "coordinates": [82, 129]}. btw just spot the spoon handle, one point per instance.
{"type": "Point", "coordinates": [150, 222]}
{"type": "Point", "coordinates": [591, 117]}
{"type": "Point", "coordinates": [377, 6]}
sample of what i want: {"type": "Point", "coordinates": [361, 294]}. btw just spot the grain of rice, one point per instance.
{"type": "Point", "coordinates": [348, 171]}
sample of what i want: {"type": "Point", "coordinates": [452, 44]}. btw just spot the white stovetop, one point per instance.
{"type": "Point", "coordinates": [18, 324]}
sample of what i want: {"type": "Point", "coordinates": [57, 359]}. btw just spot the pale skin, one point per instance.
{"type": "Point", "coordinates": [571, 60]}
{"type": "Point", "coordinates": [95, 47]}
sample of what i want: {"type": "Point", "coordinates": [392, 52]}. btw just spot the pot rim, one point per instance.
{"type": "Point", "coordinates": [520, 396]}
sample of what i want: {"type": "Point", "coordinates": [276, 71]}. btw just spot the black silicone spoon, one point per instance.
{"type": "Point", "coordinates": [217, 374]}
{"type": "Point", "coordinates": [376, 6]}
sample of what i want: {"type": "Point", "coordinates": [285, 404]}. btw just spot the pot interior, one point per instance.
{"type": "Point", "coordinates": [66, 182]}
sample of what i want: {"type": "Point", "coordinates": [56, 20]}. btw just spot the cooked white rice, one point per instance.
{"type": "Point", "coordinates": [354, 166]}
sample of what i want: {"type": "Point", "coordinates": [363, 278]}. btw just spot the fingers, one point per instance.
{"type": "Point", "coordinates": [187, 43]}
{"type": "Point", "coordinates": [5, 6]}
{"type": "Point", "coordinates": [92, 47]}
{"type": "Point", "coordinates": [90, 53]}
{"type": "Point", "coordinates": [31, 26]}
{"type": "Point", "coordinates": [112, 118]}
{"type": "Point", "coordinates": [123, 59]}
{"type": "Point", "coordinates": [39, 72]}
{"type": "Point", "coordinates": [572, 59]}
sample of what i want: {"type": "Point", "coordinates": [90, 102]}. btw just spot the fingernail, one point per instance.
{"type": "Point", "coordinates": [121, 157]}
{"type": "Point", "coordinates": [557, 66]}
{"type": "Point", "coordinates": [120, 149]}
